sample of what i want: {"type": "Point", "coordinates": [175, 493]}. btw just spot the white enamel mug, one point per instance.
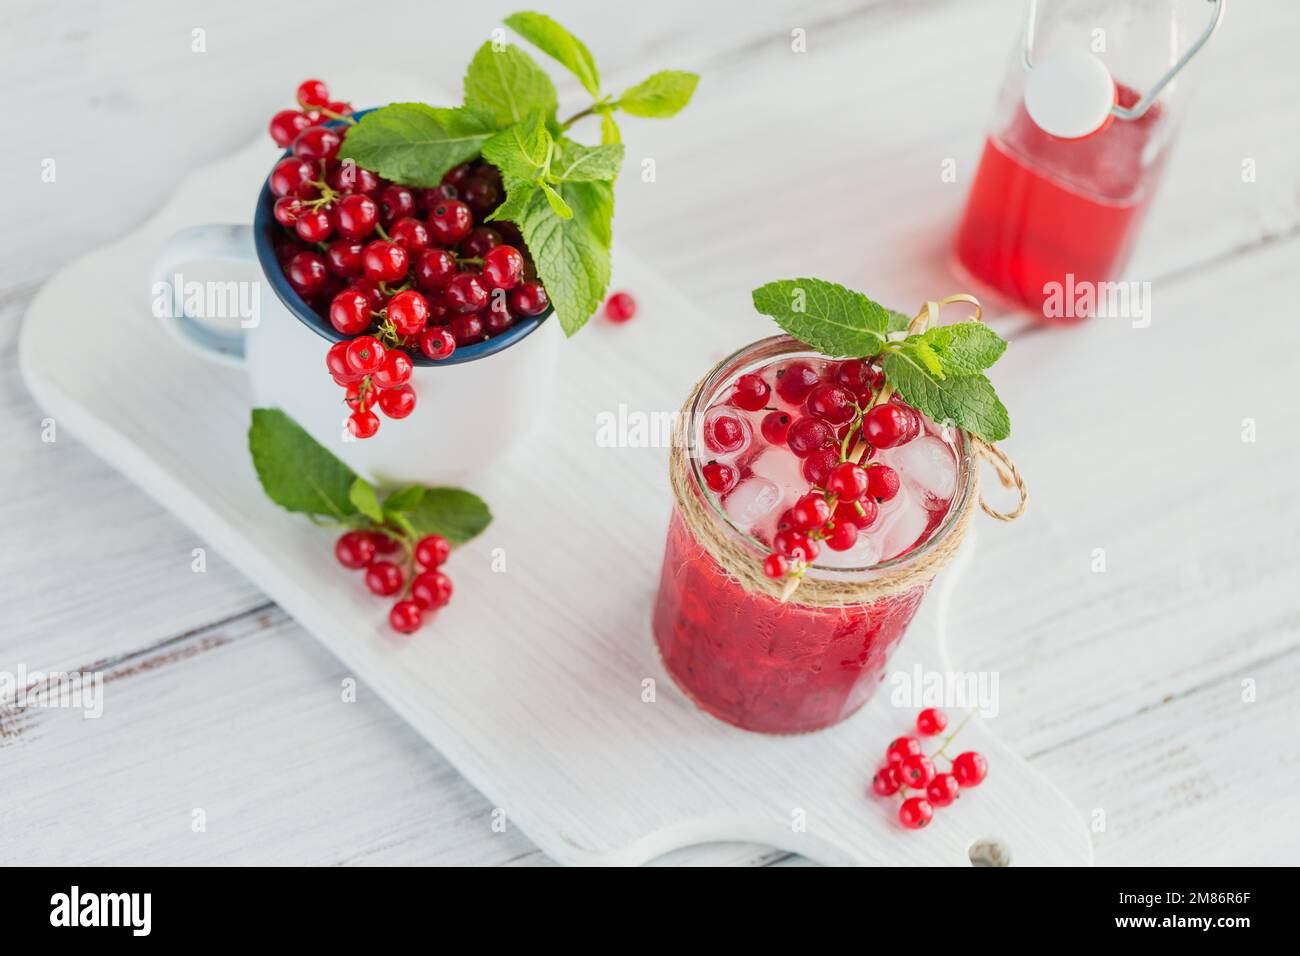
{"type": "Point", "coordinates": [462, 402]}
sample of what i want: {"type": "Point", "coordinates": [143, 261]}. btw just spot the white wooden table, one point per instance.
{"type": "Point", "coordinates": [1125, 687]}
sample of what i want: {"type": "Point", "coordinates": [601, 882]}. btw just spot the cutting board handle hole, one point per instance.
{"type": "Point", "coordinates": [989, 851]}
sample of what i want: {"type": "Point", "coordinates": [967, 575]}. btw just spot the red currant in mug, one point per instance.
{"type": "Point", "coordinates": [465, 292]}
{"type": "Point", "coordinates": [529, 298]}
{"type": "Point", "coordinates": [316, 143]}
{"type": "Point", "coordinates": [355, 216]}
{"type": "Point", "coordinates": [409, 312]}
{"type": "Point", "coordinates": [395, 202]}
{"type": "Point", "coordinates": [412, 235]}
{"type": "Point", "coordinates": [292, 177]}
{"type": "Point", "coordinates": [497, 317]}
{"type": "Point", "coordinates": [480, 240]}
{"type": "Point", "coordinates": [397, 402]}
{"type": "Point", "coordinates": [719, 477]}
{"type": "Point", "coordinates": [307, 273]}
{"type": "Point", "coordinates": [350, 313]}
{"type": "Point", "coordinates": [313, 225]}
{"type": "Point", "coordinates": [818, 466]}
{"type": "Point", "coordinates": [450, 221]}
{"type": "Point", "coordinates": [287, 209]}
{"type": "Point", "coordinates": [433, 269]}
{"type": "Point", "coordinates": [751, 393]}
{"type": "Point", "coordinates": [467, 329]}
{"type": "Point", "coordinates": [437, 343]}
{"type": "Point", "coordinates": [843, 536]}
{"type": "Point", "coordinates": [503, 267]}
{"type": "Point", "coordinates": [775, 427]}
{"type": "Point", "coordinates": [888, 426]}
{"type": "Point", "coordinates": [395, 372]}
{"type": "Point", "coordinates": [384, 261]}
{"type": "Point", "coordinates": [343, 256]}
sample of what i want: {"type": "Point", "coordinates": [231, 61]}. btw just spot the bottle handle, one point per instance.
{"type": "Point", "coordinates": [1144, 103]}
{"type": "Point", "coordinates": [211, 242]}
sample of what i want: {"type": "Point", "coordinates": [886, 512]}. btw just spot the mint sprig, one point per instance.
{"type": "Point", "coordinates": [939, 371]}
{"type": "Point", "coordinates": [301, 475]}
{"type": "Point", "coordinates": [558, 190]}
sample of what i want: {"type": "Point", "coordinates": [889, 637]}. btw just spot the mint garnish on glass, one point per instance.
{"type": "Point", "coordinates": [559, 192]}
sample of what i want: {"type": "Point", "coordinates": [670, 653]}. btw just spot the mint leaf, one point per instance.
{"type": "Point", "coordinates": [916, 348]}
{"type": "Point", "coordinates": [966, 401]}
{"type": "Point", "coordinates": [296, 471]}
{"type": "Point", "coordinates": [518, 192]}
{"type": "Point", "coordinates": [415, 144]}
{"type": "Point", "coordinates": [965, 347]}
{"type": "Point", "coordinates": [556, 201]}
{"type": "Point", "coordinates": [578, 163]}
{"type": "Point", "coordinates": [572, 255]}
{"type": "Point", "coordinates": [897, 321]}
{"type": "Point", "coordinates": [522, 150]}
{"type": "Point", "coordinates": [662, 95]}
{"type": "Point", "coordinates": [362, 494]}
{"type": "Point", "coordinates": [828, 317]}
{"type": "Point", "coordinates": [508, 84]}
{"type": "Point", "coordinates": [555, 41]}
{"type": "Point", "coordinates": [609, 132]}
{"type": "Point", "coordinates": [404, 499]}
{"type": "Point", "coordinates": [454, 513]}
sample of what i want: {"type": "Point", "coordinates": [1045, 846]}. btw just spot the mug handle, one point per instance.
{"type": "Point", "coordinates": [211, 242]}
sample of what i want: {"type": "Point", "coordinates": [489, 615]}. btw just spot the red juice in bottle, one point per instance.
{"type": "Point", "coordinates": [1045, 210]}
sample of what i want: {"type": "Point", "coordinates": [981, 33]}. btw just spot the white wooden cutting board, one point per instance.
{"type": "Point", "coordinates": [532, 681]}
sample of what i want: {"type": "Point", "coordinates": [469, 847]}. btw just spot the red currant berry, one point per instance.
{"type": "Point", "coordinates": [886, 782]}
{"type": "Point", "coordinates": [360, 396]}
{"type": "Point", "coordinates": [719, 477]}
{"type": "Point", "coordinates": [796, 545]}
{"type": "Point", "coordinates": [776, 566]}
{"type": "Point", "coordinates": [406, 617]}
{"type": "Point", "coordinates": [620, 307]}
{"type": "Point", "coordinates": [355, 549]}
{"type": "Point", "coordinates": [807, 435]}
{"type": "Point", "coordinates": [497, 317]}
{"type": "Point", "coordinates": [432, 551]}
{"type": "Point", "coordinates": [818, 466]}
{"type": "Point", "coordinates": [848, 481]}
{"type": "Point", "coordinates": [384, 261]}
{"type": "Point", "coordinates": [343, 257]}
{"type": "Point", "coordinates": [348, 177]}
{"type": "Point", "coordinates": [450, 221]}
{"type": "Point", "coordinates": [467, 329]}
{"type": "Point", "coordinates": [970, 769]}
{"type": "Point", "coordinates": [395, 372]}
{"type": "Point", "coordinates": [480, 241]}
{"type": "Point", "coordinates": [943, 790]}
{"type": "Point", "coordinates": [384, 578]}
{"type": "Point", "coordinates": [286, 125]}
{"type": "Point", "coordinates": [529, 298]}
{"type": "Point", "coordinates": [482, 194]}
{"type": "Point", "coordinates": [313, 226]}
{"type": "Point", "coordinates": [886, 426]}
{"type": "Point", "coordinates": [831, 404]}
{"type": "Point", "coordinates": [902, 747]}
{"type": "Point", "coordinates": [409, 312]}
{"type": "Point", "coordinates": [503, 267]}
{"type": "Point", "coordinates": [915, 813]}
{"type": "Point", "coordinates": [843, 536]}
{"type": "Point", "coordinates": [465, 292]}
{"type": "Point", "coordinates": [457, 176]}
{"type": "Point", "coordinates": [916, 771]}
{"type": "Point", "coordinates": [437, 343]}
{"type": "Point", "coordinates": [775, 427]}
{"type": "Point", "coordinates": [795, 381]}
{"type": "Point", "coordinates": [431, 590]}
{"type": "Point", "coordinates": [316, 143]}
{"type": "Point", "coordinates": [356, 216]}
{"type": "Point", "coordinates": [287, 209]}
{"type": "Point", "coordinates": [292, 177]}
{"type": "Point", "coordinates": [375, 297]}
{"type": "Point", "coordinates": [882, 482]}
{"type": "Point", "coordinates": [397, 402]}
{"type": "Point", "coordinates": [856, 376]}
{"type": "Point", "coordinates": [350, 314]}
{"type": "Point", "coordinates": [433, 267]}
{"type": "Point", "coordinates": [395, 202]}
{"type": "Point", "coordinates": [339, 107]}
{"type": "Point", "coordinates": [313, 93]}
{"type": "Point", "coordinates": [411, 234]}
{"type": "Point", "coordinates": [810, 511]}
{"type": "Point", "coordinates": [931, 721]}
{"type": "Point", "coordinates": [724, 433]}
{"type": "Point", "coordinates": [363, 423]}
{"type": "Point", "coordinates": [337, 362]}
{"type": "Point", "coordinates": [751, 392]}
{"type": "Point", "coordinates": [365, 354]}
{"type": "Point", "coordinates": [307, 273]}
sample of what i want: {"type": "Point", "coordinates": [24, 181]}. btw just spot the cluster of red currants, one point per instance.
{"type": "Point", "coordinates": [407, 268]}
{"type": "Point", "coordinates": [844, 420]}
{"type": "Point", "coordinates": [907, 768]}
{"type": "Point", "coordinates": [426, 588]}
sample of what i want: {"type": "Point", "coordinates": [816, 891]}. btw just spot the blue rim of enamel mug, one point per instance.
{"type": "Point", "coordinates": [264, 231]}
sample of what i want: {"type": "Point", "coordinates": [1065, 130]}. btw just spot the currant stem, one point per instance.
{"type": "Point", "coordinates": [947, 740]}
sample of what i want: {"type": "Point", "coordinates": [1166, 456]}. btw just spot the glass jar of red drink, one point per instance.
{"type": "Point", "coordinates": [748, 657]}
{"type": "Point", "coordinates": [1052, 213]}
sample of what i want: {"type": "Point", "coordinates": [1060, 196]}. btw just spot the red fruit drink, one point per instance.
{"type": "Point", "coordinates": [749, 658]}
{"type": "Point", "coordinates": [1043, 208]}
